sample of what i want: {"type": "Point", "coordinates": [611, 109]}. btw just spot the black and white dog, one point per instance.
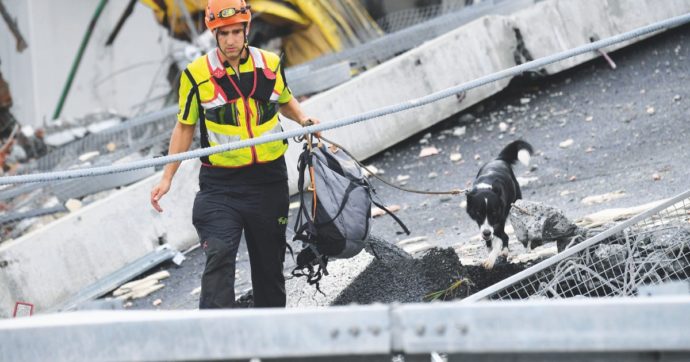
{"type": "Point", "coordinates": [494, 190]}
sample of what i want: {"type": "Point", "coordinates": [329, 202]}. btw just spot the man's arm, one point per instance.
{"type": "Point", "coordinates": [180, 141]}
{"type": "Point", "coordinates": [293, 110]}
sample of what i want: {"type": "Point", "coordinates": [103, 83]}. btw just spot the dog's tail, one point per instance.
{"type": "Point", "coordinates": [517, 151]}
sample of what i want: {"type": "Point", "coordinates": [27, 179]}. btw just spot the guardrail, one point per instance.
{"type": "Point", "coordinates": [575, 329]}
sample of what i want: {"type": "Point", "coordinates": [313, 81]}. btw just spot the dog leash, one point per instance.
{"type": "Point", "coordinates": [451, 192]}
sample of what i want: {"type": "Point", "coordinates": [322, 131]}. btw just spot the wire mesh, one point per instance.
{"type": "Point", "coordinates": [651, 250]}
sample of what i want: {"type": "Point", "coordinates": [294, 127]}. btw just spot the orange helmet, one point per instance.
{"type": "Point", "coordinates": [220, 13]}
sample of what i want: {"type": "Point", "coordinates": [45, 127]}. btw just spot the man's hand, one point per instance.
{"type": "Point", "coordinates": [157, 193]}
{"type": "Point", "coordinates": [309, 122]}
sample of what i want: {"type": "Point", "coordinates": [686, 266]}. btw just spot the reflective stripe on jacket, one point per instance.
{"type": "Point", "coordinates": [212, 93]}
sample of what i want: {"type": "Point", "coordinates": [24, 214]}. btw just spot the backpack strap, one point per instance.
{"type": "Point", "coordinates": [382, 207]}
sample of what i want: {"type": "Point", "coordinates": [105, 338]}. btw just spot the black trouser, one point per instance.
{"type": "Point", "coordinates": [219, 216]}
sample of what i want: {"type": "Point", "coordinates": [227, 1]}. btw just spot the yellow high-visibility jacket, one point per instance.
{"type": "Point", "coordinates": [234, 105]}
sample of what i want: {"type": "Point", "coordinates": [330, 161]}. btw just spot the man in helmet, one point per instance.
{"type": "Point", "coordinates": [235, 93]}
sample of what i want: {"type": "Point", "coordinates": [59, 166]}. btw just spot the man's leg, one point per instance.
{"type": "Point", "coordinates": [266, 222]}
{"type": "Point", "coordinates": [219, 226]}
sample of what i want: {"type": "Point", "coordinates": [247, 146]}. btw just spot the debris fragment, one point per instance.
{"type": "Point", "coordinates": [370, 170]}
{"type": "Point", "coordinates": [572, 178]}
{"type": "Point", "coordinates": [111, 147]}
{"type": "Point", "coordinates": [402, 178]}
{"type": "Point", "coordinates": [433, 175]}
{"type": "Point", "coordinates": [598, 199]}
{"type": "Point", "coordinates": [73, 205]}
{"type": "Point", "coordinates": [455, 157]}
{"type": "Point", "coordinates": [415, 239]}
{"type": "Point", "coordinates": [567, 143]}
{"type": "Point", "coordinates": [142, 287]}
{"type": "Point", "coordinates": [88, 155]}
{"type": "Point", "coordinates": [525, 100]}
{"type": "Point", "coordinates": [477, 157]}
{"type": "Point", "coordinates": [656, 177]}
{"type": "Point", "coordinates": [196, 291]}
{"type": "Point", "coordinates": [535, 223]}
{"type": "Point", "coordinates": [524, 181]}
{"type": "Point", "coordinates": [428, 151]}
{"type": "Point", "coordinates": [676, 98]}
{"type": "Point", "coordinates": [650, 110]}
{"type": "Point", "coordinates": [376, 212]}
{"type": "Point", "coordinates": [589, 119]}
{"type": "Point", "coordinates": [502, 127]}
{"type": "Point", "coordinates": [157, 302]}
{"type": "Point", "coordinates": [459, 131]}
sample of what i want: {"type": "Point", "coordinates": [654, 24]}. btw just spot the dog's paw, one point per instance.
{"type": "Point", "coordinates": [505, 252]}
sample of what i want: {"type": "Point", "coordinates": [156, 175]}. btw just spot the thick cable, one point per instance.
{"type": "Point", "coordinates": [414, 103]}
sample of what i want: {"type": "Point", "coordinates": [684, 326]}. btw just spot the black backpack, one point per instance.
{"type": "Point", "coordinates": [333, 222]}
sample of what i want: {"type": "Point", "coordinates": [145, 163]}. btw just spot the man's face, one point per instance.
{"type": "Point", "coordinates": [231, 40]}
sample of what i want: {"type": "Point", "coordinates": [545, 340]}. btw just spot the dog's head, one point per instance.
{"type": "Point", "coordinates": [485, 207]}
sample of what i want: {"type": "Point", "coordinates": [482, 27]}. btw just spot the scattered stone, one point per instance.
{"type": "Point", "coordinates": [370, 170]}
{"type": "Point", "coordinates": [477, 157]}
{"type": "Point", "coordinates": [73, 205]}
{"type": "Point", "coordinates": [157, 302]}
{"type": "Point", "coordinates": [503, 127]}
{"type": "Point", "coordinates": [433, 175]}
{"type": "Point", "coordinates": [589, 150]}
{"type": "Point", "coordinates": [572, 178]}
{"type": "Point", "coordinates": [567, 143]}
{"type": "Point", "coordinates": [376, 212]}
{"type": "Point", "coordinates": [424, 141]}
{"type": "Point", "coordinates": [142, 287]}
{"type": "Point", "coordinates": [676, 98]}
{"type": "Point", "coordinates": [656, 177]}
{"type": "Point", "coordinates": [455, 157]}
{"type": "Point", "coordinates": [111, 147]}
{"type": "Point", "coordinates": [459, 131]}
{"type": "Point", "coordinates": [566, 192]}
{"type": "Point", "coordinates": [88, 155]}
{"type": "Point", "coordinates": [196, 291]}
{"type": "Point", "coordinates": [428, 151]}
{"type": "Point", "coordinates": [589, 119]}
{"type": "Point", "coordinates": [650, 110]}
{"type": "Point", "coordinates": [524, 181]}
{"type": "Point", "coordinates": [402, 178]}
{"type": "Point", "coordinates": [128, 304]}
{"type": "Point", "coordinates": [535, 223]}
{"type": "Point", "coordinates": [598, 199]}
{"type": "Point", "coordinates": [412, 240]}
{"type": "Point", "coordinates": [525, 100]}
{"type": "Point", "coordinates": [463, 204]}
